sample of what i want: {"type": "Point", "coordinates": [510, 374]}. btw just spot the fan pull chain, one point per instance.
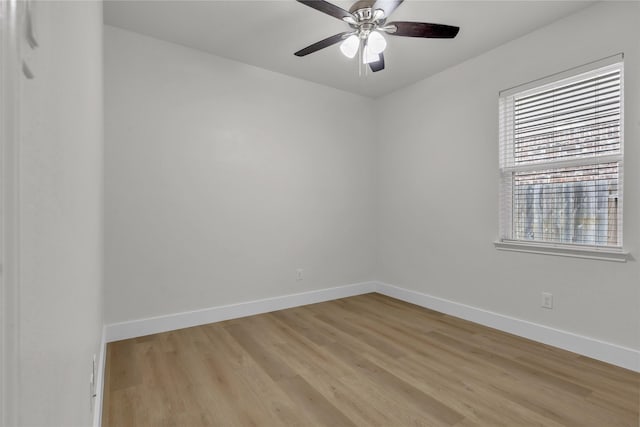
{"type": "Point", "coordinates": [360, 58]}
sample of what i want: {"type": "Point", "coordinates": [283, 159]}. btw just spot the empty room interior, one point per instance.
{"type": "Point", "coordinates": [320, 213]}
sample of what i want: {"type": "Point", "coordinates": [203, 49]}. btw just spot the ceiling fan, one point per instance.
{"type": "Point", "coordinates": [368, 22]}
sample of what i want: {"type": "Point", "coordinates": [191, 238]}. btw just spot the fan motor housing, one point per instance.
{"type": "Point", "coordinates": [362, 4]}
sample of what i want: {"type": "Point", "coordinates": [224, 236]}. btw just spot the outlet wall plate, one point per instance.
{"type": "Point", "coordinates": [547, 300]}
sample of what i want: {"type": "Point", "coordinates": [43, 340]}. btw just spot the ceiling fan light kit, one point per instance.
{"type": "Point", "coordinates": [349, 47]}
{"type": "Point", "coordinates": [376, 43]}
{"type": "Point", "coordinates": [368, 20]}
{"type": "Point", "coordinates": [369, 56]}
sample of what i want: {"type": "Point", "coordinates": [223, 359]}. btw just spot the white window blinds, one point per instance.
{"type": "Point", "coordinates": [561, 160]}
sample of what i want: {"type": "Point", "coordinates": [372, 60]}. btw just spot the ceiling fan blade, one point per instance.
{"type": "Point", "coordinates": [321, 44]}
{"type": "Point", "coordinates": [387, 5]}
{"type": "Point", "coordinates": [423, 29]}
{"type": "Point", "coordinates": [328, 8]}
{"type": "Point", "coordinates": [378, 65]}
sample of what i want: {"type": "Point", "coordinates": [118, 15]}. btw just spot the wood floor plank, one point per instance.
{"type": "Point", "coordinates": [432, 407]}
{"type": "Point", "coordinates": [342, 383]}
{"type": "Point", "coordinates": [261, 388]}
{"type": "Point", "coordinates": [368, 360]}
{"type": "Point", "coordinates": [296, 387]}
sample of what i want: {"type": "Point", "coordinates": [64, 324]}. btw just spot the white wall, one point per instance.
{"type": "Point", "coordinates": [438, 185]}
{"type": "Point", "coordinates": [222, 179]}
{"type": "Point", "coordinates": [61, 215]}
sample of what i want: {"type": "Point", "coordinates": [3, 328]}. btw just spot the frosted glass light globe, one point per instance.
{"type": "Point", "coordinates": [376, 42]}
{"type": "Point", "coordinates": [349, 47]}
{"type": "Point", "coordinates": [369, 56]}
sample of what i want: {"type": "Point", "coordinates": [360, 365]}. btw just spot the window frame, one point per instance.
{"type": "Point", "coordinates": [505, 240]}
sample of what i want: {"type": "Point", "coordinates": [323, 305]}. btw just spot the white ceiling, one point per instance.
{"type": "Point", "coordinates": [266, 33]}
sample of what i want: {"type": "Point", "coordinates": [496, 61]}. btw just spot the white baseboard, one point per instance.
{"type": "Point", "coordinates": [607, 352]}
{"type": "Point", "coordinates": [153, 325]}
{"type": "Point", "coordinates": [600, 350]}
{"type": "Point", "coordinates": [97, 404]}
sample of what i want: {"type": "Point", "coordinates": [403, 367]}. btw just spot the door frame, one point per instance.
{"type": "Point", "coordinates": [10, 81]}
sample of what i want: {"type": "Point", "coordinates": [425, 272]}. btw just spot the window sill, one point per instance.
{"type": "Point", "coordinates": [589, 252]}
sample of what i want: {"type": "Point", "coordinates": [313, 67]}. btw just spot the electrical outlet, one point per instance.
{"type": "Point", "coordinates": [299, 274]}
{"type": "Point", "coordinates": [547, 300]}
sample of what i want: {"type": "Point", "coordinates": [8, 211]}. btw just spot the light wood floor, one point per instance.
{"type": "Point", "coordinates": [367, 360]}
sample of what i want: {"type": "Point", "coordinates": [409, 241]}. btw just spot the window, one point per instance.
{"type": "Point", "coordinates": [561, 160]}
